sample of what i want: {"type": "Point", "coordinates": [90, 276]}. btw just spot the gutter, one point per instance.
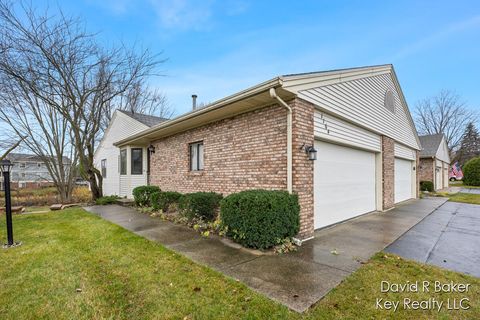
{"type": "Point", "coordinates": [274, 95]}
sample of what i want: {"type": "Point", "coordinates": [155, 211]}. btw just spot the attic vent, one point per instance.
{"type": "Point", "coordinates": [390, 101]}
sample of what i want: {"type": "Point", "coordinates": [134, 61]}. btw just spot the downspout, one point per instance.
{"type": "Point", "coordinates": [274, 95]}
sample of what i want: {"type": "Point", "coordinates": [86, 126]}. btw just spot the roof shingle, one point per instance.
{"type": "Point", "coordinates": [147, 120]}
{"type": "Point", "coordinates": [430, 144]}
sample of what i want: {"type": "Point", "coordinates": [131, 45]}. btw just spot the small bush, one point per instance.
{"type": "Point", "coordinates": [201, 205]}
{"type": "Point", "coordinates": [471, 172]}
{"type": "Point", "coordinates": [165, 200]}
{"type": "Point", "coordinates": [426, 186]}
{"type": "Point", "coordinates": [260, 218]}
{"type": "Point", "coordinates": [142, 195]}
{"type": "Point", "coordinates": [106, 200]}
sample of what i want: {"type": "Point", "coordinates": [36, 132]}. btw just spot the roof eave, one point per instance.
{"type": "Point", "coordinates": [239, 96]}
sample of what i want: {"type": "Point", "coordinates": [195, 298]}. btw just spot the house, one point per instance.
{"type": "Point", "coordinates": [118, 177]}
{"type": "Point", "coordinates": [29, 171]}
{"type": "Point", "coordinates": [434, 160]}
{"type": "Point", "coordinates": [343, 140]}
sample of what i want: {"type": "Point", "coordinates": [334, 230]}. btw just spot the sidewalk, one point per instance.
{"type": "Point", "coordinates": [298, 279]}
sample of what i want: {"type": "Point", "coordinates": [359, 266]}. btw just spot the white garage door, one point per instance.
{"type": "Point", "coordinates": [445, 176]}
{"type": "Point", "coordinates": [344, 183]}
{"type": "Point", "coordinates": [403, 180]}
{"type": "Point", "coordinates": [438, 178]}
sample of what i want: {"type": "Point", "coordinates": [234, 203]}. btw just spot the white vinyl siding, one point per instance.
{"type": "Point", "coordinates": [362, 102]}
{"type": "Point", "coordinates": [442, 152]}
{"type": "Point", "coordinates": [403, 180]}
{"type": "Point", "coordinates": [130, 181]}
{"type": "Point", "coordinates": [329, 128]}
{"type": "Point", "coordinates": [404, 152]}
{"type": "Point", "coordinates": [121, 126]}
{"type": "Point", "coordinates": [344, 183]}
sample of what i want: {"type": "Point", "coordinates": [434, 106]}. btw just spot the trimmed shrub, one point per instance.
{"type": "Point", "coordinates": [142, 195]}
{"type": "Point", "coordinates": [201, 205]}
{"type": "Point", "coordinates": [165, 199]}
{"type": "Point", "coordinates": [471, 172]}
{"type": "Point", "coordinates": [106, 200]}
{"type": "Point", "coordinates": [260, 218]}
{"type": "Point", "coordinates": [426, 186]}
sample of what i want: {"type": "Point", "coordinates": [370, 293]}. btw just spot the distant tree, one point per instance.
{"type": "Point", "coordinates": [469, 146]}
{"type": "Point", "coordinates": [444, 113]}
{"type": "Point", "coordinates": [55, 61]}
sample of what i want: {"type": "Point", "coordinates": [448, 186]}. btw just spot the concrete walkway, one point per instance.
{"type": "Point", "coordinates": [448, 238]}
{"type": "Point", "coordinates": [297, 279]}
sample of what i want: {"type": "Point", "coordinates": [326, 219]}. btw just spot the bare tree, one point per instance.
{"type": "Point", "coordinates": [444, 113]}
{"type": "Point", "coordinates": [46, 133]}
{"type": "Point", "coordinates": [8, 147]}
{"type": "Point", "coordinates": [139, 98]}
{"type": "Point", "coordinates": [63, 66]}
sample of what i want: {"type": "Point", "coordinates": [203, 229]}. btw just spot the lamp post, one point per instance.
{"type": "Point", "coordinates": [5, 167]}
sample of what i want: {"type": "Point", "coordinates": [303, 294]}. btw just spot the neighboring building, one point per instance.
{"type": "Point", "coordinates": [264, 137]}
{"type": "Point", "coordinates": [28, 171]}
{"type": "Point", "coordinates": [434, 160]}
{"type": "Point", "coordinates": [118, 177]}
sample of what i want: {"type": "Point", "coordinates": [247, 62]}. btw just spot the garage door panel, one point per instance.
{"type": "Point", "coordinates": [344, 183]}
{"type": "Point", "coordinates": [403, 180]}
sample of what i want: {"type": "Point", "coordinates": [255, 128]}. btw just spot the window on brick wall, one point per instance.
{"type": "Point", "coordinates": [196, 156]}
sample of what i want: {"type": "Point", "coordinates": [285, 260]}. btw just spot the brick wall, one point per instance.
{"type": "Point", "coordinates": [303, 133]}
{"type": "Point", "coordinates": [244, 152]}
{"type": "Point", "coordinates": [426, 169]}
{"type": "Point", "coordinates": [388, 174]}
{"type": "Point", "coordinates": [247, 151]}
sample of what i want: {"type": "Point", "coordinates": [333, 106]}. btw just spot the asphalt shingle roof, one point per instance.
{"type": "Point", "coordinates": [430, 144]}
{"type": "Point", "coordinates": [144, 118]}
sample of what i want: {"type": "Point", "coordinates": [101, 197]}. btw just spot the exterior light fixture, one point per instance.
{"type": "Point", "coordinates": [5, 168]}
{"type": "Point", "coordinates": [312, 153]}
{"type": "Point", "coordinates": [151, 149]}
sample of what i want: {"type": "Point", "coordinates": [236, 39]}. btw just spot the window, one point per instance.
{"type": "Point", "coordinates": [104, 168]}
{"type": "Point", "coordinates": [39, 165]}
{"type": "Point", "coordinates": [137, 161]}
{"type": "Point", "coordinates": [196, 156]}
{"type": "Point", "coordinates": [22, 165]}
{"type": "Point", "coordinates": [123, 162]}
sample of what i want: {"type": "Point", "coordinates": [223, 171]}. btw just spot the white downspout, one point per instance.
{"type": "Point", "coordinates": [273, 94]}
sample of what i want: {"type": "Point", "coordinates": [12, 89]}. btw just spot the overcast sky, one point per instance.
{"type": "Point", "coordinates": [215, 48]}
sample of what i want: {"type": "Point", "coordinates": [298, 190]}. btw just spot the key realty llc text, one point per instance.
{"type": "Point", "coordinates": [431, 303]}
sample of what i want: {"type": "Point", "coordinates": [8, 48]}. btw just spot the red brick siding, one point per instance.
{"type": "Point", "coordinates": [388, 173]}
{"type": "Point", "coordinates": [426, 170]}
{"type": "Point", "coordinates": [247, 151]}
{"type": "Point", "coordinates": [303, 133]}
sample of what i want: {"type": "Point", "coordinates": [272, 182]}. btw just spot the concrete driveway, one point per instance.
{"type": "Point", "coordinates": [297, 279]}
{"type": "Point", "coordinates": [448, 238]}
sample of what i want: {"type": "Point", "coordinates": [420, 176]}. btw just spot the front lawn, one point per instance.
{"type": "Point", "coordinates": [73, 265]}
{"type": "Point", "coordinates": [465, 198]}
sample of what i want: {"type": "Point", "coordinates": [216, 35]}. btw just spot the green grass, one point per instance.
{"type": "Point", "coordinates": [123, 276]}
{"type": "Point", "coordinates": [465, 198]}
{"type": "Point", "coordinates": [460, 184]}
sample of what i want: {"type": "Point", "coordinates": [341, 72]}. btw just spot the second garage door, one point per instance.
{"type": "Point", "coordinates": [403, 180]}
{"type": "Point", "coordinates": [344, 183]}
